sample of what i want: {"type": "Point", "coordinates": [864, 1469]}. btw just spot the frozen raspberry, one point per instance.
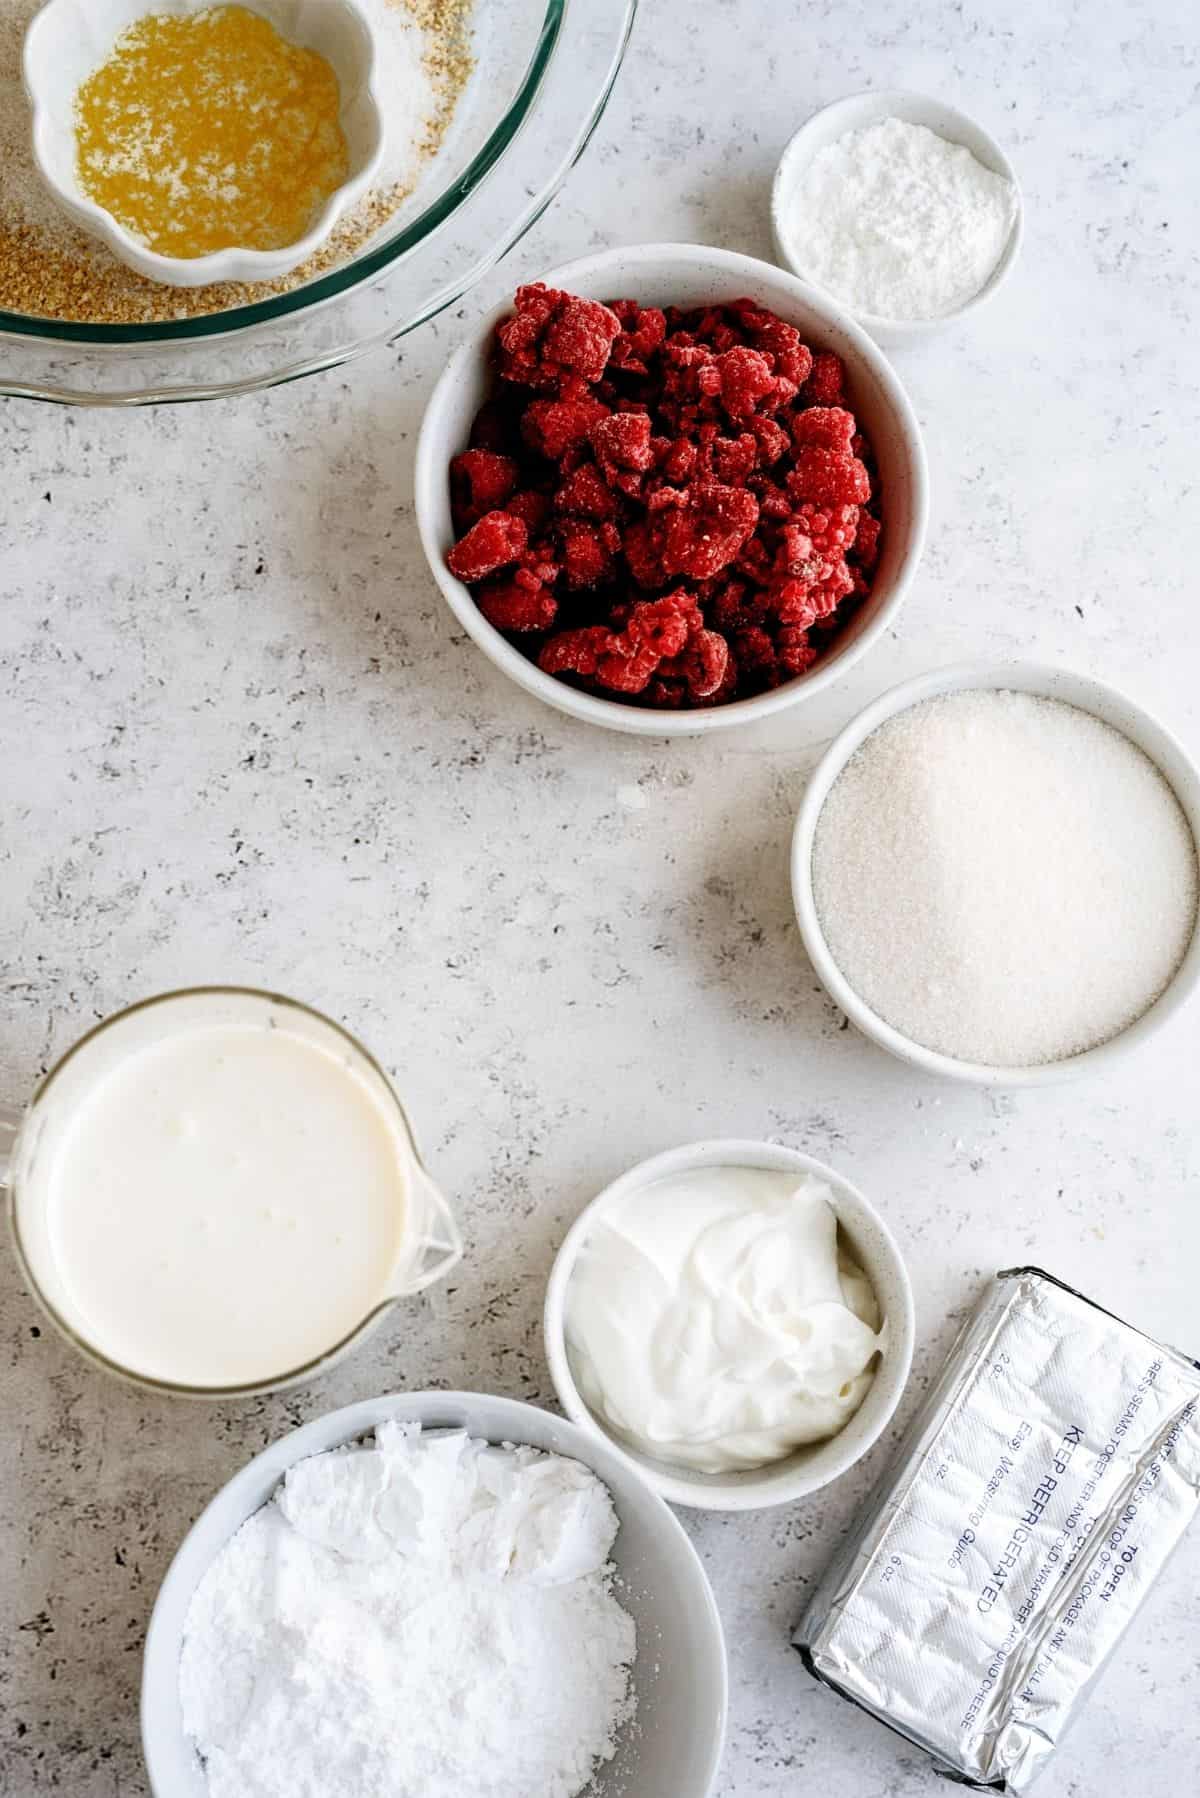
{"type": "Point", "coordinates": [832, 528]}
{"type": "Point", "coordinates": [782, 343]}
{"type": "Point", "coordinates": [690, 374]}
{"type": "Point", "coordinates": [679, 463]}
{"type": "Point", "coordinates": [829, 426]}
{"type": "Point", "coordinates": [829, 477]}
{"type": "Point", "coordinates": [553, 335]}
{"type": "Point", "coordinates": [735, 607]}
{"type": "Point", "coordinates": [586, 559]}
{"type": "Point", "coordinates": [664, 625]}
{"type": "Point", "coordinates": [657, 630]}
{"type": "Point", "coordinates": [774, 504]}
{"type": "Point", "coordinates": [754, 653]}
{"type": "Point", "coordinates": [585, 493]}
{"type": "Point", "coordinates": [516, 609]}
{"type": "Point", "coordinates": [826, 382]}
{"type": "Point", "coordinates": [705, 536]}
{"type": "Point", "coordinates": [794, 652]}
{"type": "Point", "coordinates": [643, 332]}
{"type": "Point", "coordinates": [866, 541]}
{"type": "Point", "coordinates": [622, 440]}
{"type": "Point", "coordinates": [589, 552]}
{"type": "Point", "coordinates": [480, 481]}
{"type": "Point", "coordinates": [798, 600]}
{"type": "Point", "coordinates": [770, 438]}
{"type": "Point", "coordinates": [581, 334]}
{"type": "Point", "coordinates": [733, 459]}
{"type": "Point", "coordinates": [495, 542]}
{"type": "Point", "coordinates": [538, 567]}
{"type": "Point", "coordinates": [575, 652]}
{"type": "Point", "coordinates": [552, 427]}
{"type": "Point", "coordinates": [702, 665]}
{"type": "Point", "coordinates": [796, 555]}
{"type": "Point", "coordinates": [533, 509]}
{"type": "Point", "coordinates": [746, 377]}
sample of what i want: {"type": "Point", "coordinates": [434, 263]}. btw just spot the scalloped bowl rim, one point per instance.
{"type": "Point", "coordinates": [239, 263]}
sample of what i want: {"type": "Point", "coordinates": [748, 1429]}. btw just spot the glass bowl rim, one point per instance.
{"type": "Point", "coordinates": [337, 281]}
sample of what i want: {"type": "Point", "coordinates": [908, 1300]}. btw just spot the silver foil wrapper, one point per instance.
{"type": "Point", "coordinates": [1042, 1485]}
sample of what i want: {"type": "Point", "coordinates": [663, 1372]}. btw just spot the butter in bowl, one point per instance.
{"type": "Point", "coordinates": [204, 143]}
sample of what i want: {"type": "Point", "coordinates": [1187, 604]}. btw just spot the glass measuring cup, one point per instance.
{"type": "Point", "coordinates": [429, 1243]}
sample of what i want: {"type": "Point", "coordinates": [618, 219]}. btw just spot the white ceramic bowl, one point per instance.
{"type": "Point", "coordinates": [854, 114]}
{"type": "Point", "coordinates": [1022, 677]}
{"type": "Point", "coordinates": [690, 275]}
{"type": "Point", "coordinates": [807, 1469]}
{"type": "Point", "coordinates": [68, 39]}
{"type": "Point", "coordinates": [680, 1673]}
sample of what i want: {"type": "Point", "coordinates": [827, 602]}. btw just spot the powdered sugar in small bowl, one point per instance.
{"type": "Point", "coordinates": [862, 112]}
{"type": "Point", "coordinates": [909, 943]}
{"type": "Point", "coordinates": [680, 1681]}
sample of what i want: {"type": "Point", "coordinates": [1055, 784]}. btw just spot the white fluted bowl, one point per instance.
{"type": "Point", "coordinates": [69, 39]}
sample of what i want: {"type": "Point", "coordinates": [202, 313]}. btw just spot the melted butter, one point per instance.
{"type": "Point", "coordinates": [208, 130]}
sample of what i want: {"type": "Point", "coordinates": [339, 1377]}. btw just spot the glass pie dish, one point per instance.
{"type": "Point", "coordinates": [543, 72]}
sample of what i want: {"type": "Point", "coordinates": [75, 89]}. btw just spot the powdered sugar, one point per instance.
{"type": "Point", "coordinates": [900, 223]}
{"type": "Point", "coordinates": [426, 1618]}
{"type": "Point", "coordinates": [1004, 878]}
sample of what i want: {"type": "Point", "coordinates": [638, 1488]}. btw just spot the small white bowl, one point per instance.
{"type": "Point", "coordinates": [806, 1470]}
{"type": "Point", "coordinates": [680, 1674]}
{"type": "Point", "coordinates": [1088, 695]}
{"type": "Point", "coordinates": [69, 39]}
{"type": "Point", "coordinates": [855, 113]}
{"type": "Point", "coordinates": [685, 275]}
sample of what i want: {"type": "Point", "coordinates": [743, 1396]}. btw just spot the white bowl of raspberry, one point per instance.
{"type": "Point", "coordinates": [671, 489]}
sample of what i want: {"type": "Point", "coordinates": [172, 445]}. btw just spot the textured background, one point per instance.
{"type": "Point", "coordinates": [242, 740]}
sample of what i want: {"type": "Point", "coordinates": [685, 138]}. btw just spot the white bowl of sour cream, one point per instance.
{"type": "Point", "coordinates": [736, 1319]}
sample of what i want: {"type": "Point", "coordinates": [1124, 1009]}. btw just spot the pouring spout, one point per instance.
{"type": "Point", "coordinates": [435, 1245]}
{"type": "Point", "coordinates": [10, 1123]}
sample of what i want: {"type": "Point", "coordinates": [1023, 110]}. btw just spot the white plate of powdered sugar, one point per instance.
{"type": "Point", "coordinates": [995, 873]}
{"type": "Point", "coordinates": [902, 208]}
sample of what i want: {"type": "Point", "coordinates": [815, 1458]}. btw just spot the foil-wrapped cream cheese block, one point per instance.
{"type": "Point", "coordinates": [1041, 1487]}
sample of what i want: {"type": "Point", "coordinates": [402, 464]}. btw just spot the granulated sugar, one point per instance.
{"type": "Point", "coordinates": [428, 1618]}
{"type": "Point", "coordinates": [1004, 878]}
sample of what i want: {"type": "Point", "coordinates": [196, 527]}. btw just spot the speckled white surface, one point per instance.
{"type": "Point", "coordinates": [241, 741]}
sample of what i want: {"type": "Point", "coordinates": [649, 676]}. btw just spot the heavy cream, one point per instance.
{"type": "Point", "coordinates": [223, 1204]}
{"type": "Point", "coordinates": [715, 1322]}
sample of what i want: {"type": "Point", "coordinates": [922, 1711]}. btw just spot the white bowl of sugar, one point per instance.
{"type": "Point", "coordinates": [902, 208]}
{"type": "Point", "coordinates": [994, 871]}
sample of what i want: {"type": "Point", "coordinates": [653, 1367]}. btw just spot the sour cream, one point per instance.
{"type": "Point", "coordinates": [714, 1320]}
